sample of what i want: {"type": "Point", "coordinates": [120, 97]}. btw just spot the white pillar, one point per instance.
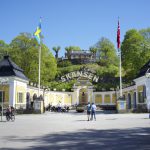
{"type": "Point", "coordinates": [103, 98]}
{"type": "Point", "coordinates": [88, 95]}
{"type": "Point", "coordinates": [148, 92]}
{"type": "Point", "coordinates": [93, 97]}
{"type": "Point", "coordinates": [77, 98]}
{"type": "Point", "coordinates": [111, 98]}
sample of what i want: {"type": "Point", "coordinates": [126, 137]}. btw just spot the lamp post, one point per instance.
{"type": "Point", "coordinates": [2, 82]}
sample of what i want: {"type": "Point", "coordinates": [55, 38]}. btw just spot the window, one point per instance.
{"type": "Point", "coordinates": [129, 101]}
{"type": "Point", "coordinates": [140, 97]}
{"type": "Point", "coordinates": [20, 97]}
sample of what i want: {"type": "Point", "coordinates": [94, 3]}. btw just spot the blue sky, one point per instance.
{"type": "Point", "coordinates": [72, 22]}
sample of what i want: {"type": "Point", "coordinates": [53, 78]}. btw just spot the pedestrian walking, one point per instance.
{"type": "Point", "coordinates": [93, 111]}
{"type": "Point", "coordinates": [88, 111]}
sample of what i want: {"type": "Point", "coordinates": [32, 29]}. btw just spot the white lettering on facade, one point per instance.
{"type": "Point", "coordinates": [85, 74]}
{"type": "Point", "coordinates": [77, 74]}
{"type": "Point", "coordinates": [73, 74]}
{"type": "Point", "coordinates": [95, 78]}
{"type": "Point", "coordinates": [63, 79]}
{"type": "Point", "coordinates": [68, 76]}
{"type": "Point", "coordinates": [90, 76]}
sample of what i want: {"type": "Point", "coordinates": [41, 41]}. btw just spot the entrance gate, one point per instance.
{"type": "Point", "coordinates": [83, 96]}
{"type": "Point", "coordinates": [83, 91]}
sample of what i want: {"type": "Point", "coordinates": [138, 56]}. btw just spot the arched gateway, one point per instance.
{"type": "Point", "coordinates": [82, 91]}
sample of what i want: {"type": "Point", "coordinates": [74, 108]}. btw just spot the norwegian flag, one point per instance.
{"type": "Point", "coordinates": [118, 36]}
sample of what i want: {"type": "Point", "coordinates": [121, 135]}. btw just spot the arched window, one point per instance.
{"type": "Point", "coordinates": [34, 96]}
{"type": "Point", "coordinates": [144, 91]}
{"type": "Point", "coordinates": [129, 101]}
{"type": "Point", "coordinates": [134, 100]}
{"type": "Point", "coordinates": [27, 100]}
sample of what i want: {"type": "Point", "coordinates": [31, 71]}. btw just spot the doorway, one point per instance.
{"type": "Point", "coordinates": [83, 96]}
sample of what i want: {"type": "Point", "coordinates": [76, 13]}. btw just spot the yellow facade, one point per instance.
{"type": "Point", "coordinates": [20, 89]}
{"type": "Point", "coordinates": [5, 88]}
{"type": "Point", "coordinates": [140, 88]}
{"type": "Point", "coordinates": [107, 99]}
{"type": "Point", "coordinates": [67, 99]}
{"type": "Point", "coordinates": [114, 98]}
{"type": "Point", "coordinates": [98, 99]}
{"type": "Point", "coordinates": [59, 98]}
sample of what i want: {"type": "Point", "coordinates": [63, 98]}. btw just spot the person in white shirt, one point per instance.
{"type": "Point", "coordinates": [93, 110]}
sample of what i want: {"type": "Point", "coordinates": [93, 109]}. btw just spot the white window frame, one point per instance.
{"type": "Point", "coordinates": [20, 99]}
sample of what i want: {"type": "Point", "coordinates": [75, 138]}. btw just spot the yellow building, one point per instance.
{"type": "Point", "coordinates": [16, 91]}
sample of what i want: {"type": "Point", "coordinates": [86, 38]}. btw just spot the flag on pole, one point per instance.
{"type": "Point", "coordinates": [118, 36]}
{"type": "Point", "coordinates": [37, 33]}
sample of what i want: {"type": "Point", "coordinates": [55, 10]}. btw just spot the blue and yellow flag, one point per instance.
{"type": "Point", "coordinates": [37, 33]}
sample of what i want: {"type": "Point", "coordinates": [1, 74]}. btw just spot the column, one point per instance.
{"type": "Point", "coordinates": [103, 98]}
{"type": "Point", "coordinates": [111, 98]}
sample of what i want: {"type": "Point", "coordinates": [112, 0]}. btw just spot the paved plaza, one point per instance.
{"type": "Point", "coordinates": [72, 131]}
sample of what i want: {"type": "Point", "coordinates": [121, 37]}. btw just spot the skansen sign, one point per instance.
{"type": "Point", "coordinates": [81, 73]}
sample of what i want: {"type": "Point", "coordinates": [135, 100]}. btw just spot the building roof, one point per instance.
{"type": "Point", "coordinates": [9, 68]}
{"type": "Point", "coordinates": [145, 69]}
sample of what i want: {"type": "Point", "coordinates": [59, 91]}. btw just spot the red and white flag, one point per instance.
{"type": "Point", "coordinates": [118, 36]}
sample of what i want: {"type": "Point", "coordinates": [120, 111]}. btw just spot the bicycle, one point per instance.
{"type": "Point", "coordinates": [10, 116]}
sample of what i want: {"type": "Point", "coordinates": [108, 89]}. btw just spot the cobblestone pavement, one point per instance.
{"type": "Point", "coordinates": [72, 131]}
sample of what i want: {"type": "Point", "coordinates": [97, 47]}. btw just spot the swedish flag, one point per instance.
{"type": "Point", "coordinates": [37, 33]}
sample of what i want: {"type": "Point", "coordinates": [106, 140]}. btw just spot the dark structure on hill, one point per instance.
{"type": "Point", "coordinates": [79, 57]}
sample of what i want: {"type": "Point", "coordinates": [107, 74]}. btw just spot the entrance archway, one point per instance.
{"type": "Point", "coordinates": [83, 96]}
{"type": "Point", "coordinates": [134, 100]}
{"type": "Point", "coordinates": [28, 100]}
{"type": "Point", "coordinates": [129, 101]}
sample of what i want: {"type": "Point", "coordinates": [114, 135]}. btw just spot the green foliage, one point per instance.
{"type": "Point", "coordinates": [132, 50]}
{"type": "Point", "coordinates": [56, 50]}
{"type": "Point", "coordinates": [59, 86]}
{"type": "Point", "coordinates": [3, 49]}
{"type": "Point", "coordinates": [106, 52]}
{"type": "Point", "coordinates": [24, 52]}
{"type": "Point", "coordinates": [64, 70]}
{"type": "Point", "coordinates": [64, 63]}
{"type": "Point", "coordinates": [146, 45]}
{"type": "Point", "coordinates": [71, 48]}
{"type": "Point", "coordinates": [135, 51]}
{"type": "Point", "coordinates": [93, 50]}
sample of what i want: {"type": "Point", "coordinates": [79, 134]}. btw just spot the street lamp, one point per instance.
{"type": "Point", "coordinates": [2, 82]}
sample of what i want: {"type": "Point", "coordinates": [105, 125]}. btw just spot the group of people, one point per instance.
{"type": "Point", "coordinates": [58, 108]}
{"type": "Point", "coordinates": [91, 111]}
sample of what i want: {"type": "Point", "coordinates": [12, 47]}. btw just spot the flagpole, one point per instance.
{"type": "Point", "coordinates": [119, 50]}
{"type": "Point", "coordinates": [39, 72]}
{"type": "Point", "coordinates": [120, 72]}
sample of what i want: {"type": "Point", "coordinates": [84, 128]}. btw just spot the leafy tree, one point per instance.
{"type": "Point", "coordinates": [106, 52]}
{"type": "Point", "coordinates": [146, 45]}
{"type": "Point", "coordinates": [56, 50]}
{"type": "Point", "coordinates": [93, 50]}
{"type": "Point", "coordinates": [132, 50]}
{"type": "Point", "coordinates": [71, 48]}
{"type": "Point", "coordinates": [3, 49]}
{"type": "Point", "coordinates": [24, 52]}
{"type": "Point", "coordinates": [64, 63]}
{"type": "Point", "coordinates": [62, 85]}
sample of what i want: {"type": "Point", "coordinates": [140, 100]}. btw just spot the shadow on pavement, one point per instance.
{"type": "Point", "coordinates": [129, 139]}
